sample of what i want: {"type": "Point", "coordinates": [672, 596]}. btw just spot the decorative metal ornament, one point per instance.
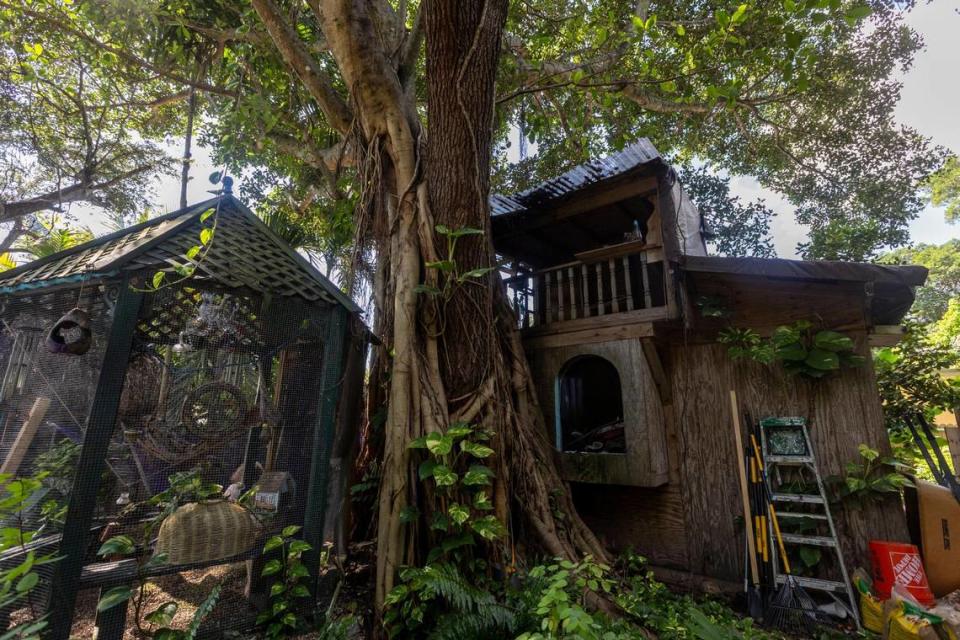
{"type": "Point", "coordinates": [71, 334]}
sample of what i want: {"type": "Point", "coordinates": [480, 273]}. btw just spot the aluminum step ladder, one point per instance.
{"type": "Point", "coordinates": [786, 444]}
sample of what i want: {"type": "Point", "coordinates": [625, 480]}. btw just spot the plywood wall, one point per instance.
{"type": "Point", "coordinates": [843, 412]}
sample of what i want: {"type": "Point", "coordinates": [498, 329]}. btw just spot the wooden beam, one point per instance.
{"type": "Point", "coordinates": [86, 481]}
{"type": "Point", "coordinates": [27, 432]}
{"type": "Point", "coordinates": [609, 320]}
{"type": "Point", "coordinates": [885, 335]}
{"type": "Point", "coordinates": [591, 336]}
{"type": "Point", "coordinates": [658, 371]}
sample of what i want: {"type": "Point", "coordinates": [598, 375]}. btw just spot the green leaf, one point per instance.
{"type": "Point", "coordinates": [28, 582]}
{"type": "Point", "coordinates": [488, 527]}
{"type": "Point", "coordinates": [459, 430]}
{"type": "Point", "coordinates": [425, 470]}
{"type": "Point", "coordinates": [463, 540]}
{"type": "Point", "coordinates": [299, 546]}
{"type": "Point", "coordinates": [681, 31]}
{"type": "Point", "coordinates": [272, 567]}
{"type": "Point", "coordinates": [427, 289]}
{"type": "Point", "coordinates": [442, 265]}
{"type": "Point", "coordinates": [477, 273]}
{"type": "Point", "coordinates": [193, 252]}
{"type": "Point", "coordinates": [409, 514]}
{"type": "Point", "coordinates": [444, 476]}
{"type": "Point", "coordinates": [458, 513]}
{"type": "Point", "coordinates": [206, 235]}
{"type": "Point", "coordinates": [794, 352]}
{"type": "Point", "coordinates": [832, 341]}
{"type": "Point", "coordinates": [117, 545]}
{"type": "Point", "coordinates": [290, 530]}
{"type": "Point", "coordinates": [823, 360]}
{"type": "Point", "coordinates": [810, 556]}
{"type": "Point", "coordinates": [113, 597]}
{"type": "Point", "coordinates": [439, 444]}
{"type": "Point", "coordinates": [857, 13]}
{"type": "Point", "coordinates": [475, 449]}
{"type": "Point", "coordinates": [275, 542]}
{"type": "Point", "coordinates": [158, 279]}
{"type": "Point", "coordinates": [206, 214]}
{"type": "Point", "coordinates": [867, 453]}
{"type": "Point", "coordinates": [163, 615]}
{"type": "Point", "coordinates": [477, 475]}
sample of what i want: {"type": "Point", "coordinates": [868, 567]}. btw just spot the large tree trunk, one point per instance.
{"type": "Point", "coordinates": [461, 360]}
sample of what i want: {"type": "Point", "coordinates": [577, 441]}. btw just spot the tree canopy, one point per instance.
{"type": "Point", "coordinates": [798, 93]}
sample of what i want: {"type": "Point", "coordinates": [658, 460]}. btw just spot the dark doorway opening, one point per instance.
{"type": "Point", "coordinates": [590, 407]}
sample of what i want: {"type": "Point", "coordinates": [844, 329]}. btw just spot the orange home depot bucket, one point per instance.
{"type": "Point", "coordinates": [898, 563]}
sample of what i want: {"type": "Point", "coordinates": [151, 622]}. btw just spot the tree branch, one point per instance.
{"type": "Point", "coordinates": [295, 54]}
{"type": "Point", "coordinates": [76, 192]}
{"type": "Point", "coordinates": [66, 27]}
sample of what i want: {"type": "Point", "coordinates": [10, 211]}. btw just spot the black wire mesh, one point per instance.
{"type": "Point", "coordinates": [221, 388]}
{"type": "Point", "coordinates": [45, 398]}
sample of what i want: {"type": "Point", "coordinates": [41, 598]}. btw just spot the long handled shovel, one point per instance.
{"type": "Point", "coordinates": [754, 599]}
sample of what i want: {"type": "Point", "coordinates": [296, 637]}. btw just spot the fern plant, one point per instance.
{"type": "Point", "coordinates": [439, 602]}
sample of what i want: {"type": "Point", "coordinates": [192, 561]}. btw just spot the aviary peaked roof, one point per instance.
{"type": "Point", "coordinates": [243, 252]}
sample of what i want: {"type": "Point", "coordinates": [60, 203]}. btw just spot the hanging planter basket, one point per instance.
{"type": "Point", "coordinates": [206, 532]}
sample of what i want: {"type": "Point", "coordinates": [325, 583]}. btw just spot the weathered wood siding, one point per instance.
{"type": "Point", "coordinates": [645, 463]}
{"type": "Point", "coordinates": [843, 412]}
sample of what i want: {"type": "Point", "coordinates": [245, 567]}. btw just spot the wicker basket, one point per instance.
{"type": "Point", "coordinates": [207, 531]}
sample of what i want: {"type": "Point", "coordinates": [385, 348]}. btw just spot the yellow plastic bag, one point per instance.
{"type": "Point", "coordinates": [906, 619]}
{"type": "Point", "coordinates": [871, 607]}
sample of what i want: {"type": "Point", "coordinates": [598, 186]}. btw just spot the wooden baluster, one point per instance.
{"type": "Point", "coordinates": [601, 307]}
{"type": "Point", "coordinates": [613, 286]}
{"type": "Point", "coordinates": [645, 278]}
{"type": "Point", "coordinates": [626, 282]}
{"type": "Point", "coordinates": [547, 299]}
{"type": "Point", "coordinates": [573, 293]}
{"type": "Point", "coordinates": [586, 291]}
{"type": "Point", "coordinates": [561, 299]}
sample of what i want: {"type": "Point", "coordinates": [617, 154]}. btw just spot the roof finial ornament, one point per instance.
{"type": "Point", "coordinates": [221, 177]}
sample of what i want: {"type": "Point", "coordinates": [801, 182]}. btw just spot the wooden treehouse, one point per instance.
{"type": "Point", "coordinates": [620, 308]}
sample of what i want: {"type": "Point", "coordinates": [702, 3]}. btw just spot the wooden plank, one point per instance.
{"type": "Point", "coordinates": [615, 251]}
{"type": "Point", "coordinates": [886, 335]}
{"type": "Point", "coordinates": [952, 435]}
{"type": "Point", "coordinates": [609, 320]}
{"type": "Point", "coordinates": [586, 291]}
{"type": "Point", "coordinates": [645, 280]}
{"type": "Point", "coordinates": [613, 286]}
{"type": "Point", "coordinates": [591, 336]}
{"type": "Point", "coordinates": [86, 483]}
{"type": "Point", "coordinates": [657, 370]}
{"type": "Point", "coordinates": [626, 283]}
{"type": "Point", "coordinates": [561, 302]}
{"type": "Point", "coordinates": [548, 306]}
{"type": "Point", "coordinates": [27, 432]}
{"type": "Point", "coordinates": [601, 307]}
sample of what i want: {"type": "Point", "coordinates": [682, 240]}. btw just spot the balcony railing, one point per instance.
{"type": "Point", "coordinates": [606, 281]}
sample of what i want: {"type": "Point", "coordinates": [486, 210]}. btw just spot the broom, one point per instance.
{"type": "Point", "coordinates": [791, 607]}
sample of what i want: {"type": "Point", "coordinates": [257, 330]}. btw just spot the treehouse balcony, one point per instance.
{"type": "Point", "coordinates": [604, 287]}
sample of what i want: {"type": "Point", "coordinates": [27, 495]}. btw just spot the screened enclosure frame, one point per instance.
{"type": "Point", "coordinates": [245, 261]}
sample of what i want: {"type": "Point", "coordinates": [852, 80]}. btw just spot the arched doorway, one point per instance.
{"type": "Point", "coordinates": [590, 407]}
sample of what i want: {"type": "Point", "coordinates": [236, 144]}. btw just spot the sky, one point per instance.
{"type": "Point", "coordinates": [931, 93]}
{"type": "Point", "coordinates": [929, 103]}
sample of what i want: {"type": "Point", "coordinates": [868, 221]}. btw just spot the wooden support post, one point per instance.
{"type": "Point", "coordinates": [110, 624]}
{"type": "Point", "coordinates": [645, 280]}
{"type": "Point", "coordinates": [627, 283]}
{"type": "Point", "coordinates": [86, 481]}
{"type": "Point", "coordinates": [613, 286]}
{"type": "Point", "coordinates": [548, 306]}
{"type": "Point", "coordinates": [586, 291]}
{"type": "Point", "coordinates": [561, 299]}
{"type": "Point", "coordinates": [573, 293]}
{"type": "Point", "coordinates": [27, 432]}
{"type": "Point", "coordinates": [323, 434]}
{"type": "Point", "coordinates": [952, 435]}
{"type": "Point", "coordinates": [601, 307]}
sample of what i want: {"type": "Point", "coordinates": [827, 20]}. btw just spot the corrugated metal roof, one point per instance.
{"type": "Point", "coordinates": [243, 253]}
{"type": "Point", "coordinates": [597, 170]}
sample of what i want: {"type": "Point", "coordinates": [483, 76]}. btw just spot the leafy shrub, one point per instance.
{"type": "Point", "coordinates": [796, 347]}
{"type": "Point", "coordinates": [288, 593]}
